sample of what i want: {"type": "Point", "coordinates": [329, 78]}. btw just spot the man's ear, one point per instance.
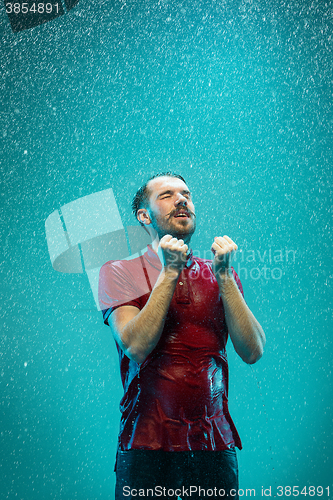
{"type": "Point", "coordinates": [143, 216]}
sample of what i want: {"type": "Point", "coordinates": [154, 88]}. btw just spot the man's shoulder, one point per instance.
{"type": "Point", "coordinates": [123, 264]}
{"type": "Point", "coordinates": [121, 282]}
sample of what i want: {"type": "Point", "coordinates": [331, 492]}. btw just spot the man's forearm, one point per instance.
{"type": "Point", "coordinates": [141, 334]}
{"type": "Point", "coordinates": [245, 332]}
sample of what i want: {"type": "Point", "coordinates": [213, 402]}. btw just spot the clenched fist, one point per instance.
{"type": "Point", "coordinates": [172, 253]}
{"type": "Point", "coordinates": [223, 249]}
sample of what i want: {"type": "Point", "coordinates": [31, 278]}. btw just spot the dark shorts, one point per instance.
{"type": "Point", "coordinates": [185, 474]}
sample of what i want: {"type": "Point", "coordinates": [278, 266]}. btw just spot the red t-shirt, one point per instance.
{"type": "Point", "coordinates": [177, 399]}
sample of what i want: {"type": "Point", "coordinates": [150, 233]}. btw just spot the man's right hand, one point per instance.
{"type": "Point", "coordinates": [137, 331]}
{"type": "Point", "coordinates": [172, 253]}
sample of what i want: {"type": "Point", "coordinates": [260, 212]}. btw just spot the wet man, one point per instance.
{"type": "Point", "coordinates": [170, 314]}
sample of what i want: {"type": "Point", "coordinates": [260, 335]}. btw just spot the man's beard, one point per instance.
{"type": "Point", "coordinates": [163, 226]}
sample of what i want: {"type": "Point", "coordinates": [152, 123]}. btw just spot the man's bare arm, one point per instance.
{"type": "Point", "coordinates": [245, 332]}
{"type": "Point", "coordinates": [138, 332]}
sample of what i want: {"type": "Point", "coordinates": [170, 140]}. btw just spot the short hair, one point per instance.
{"type": "Point", "coordinates": [141, 197]}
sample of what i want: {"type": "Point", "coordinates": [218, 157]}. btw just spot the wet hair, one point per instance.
{"type": "Point", "coordinates": [140, 199]}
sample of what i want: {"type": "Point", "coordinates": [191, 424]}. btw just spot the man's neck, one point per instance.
{"type": "Point", "coordinates": [155, 244]}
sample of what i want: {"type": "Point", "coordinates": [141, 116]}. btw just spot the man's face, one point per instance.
{"type": "Point", "coordinates": [170, 209]}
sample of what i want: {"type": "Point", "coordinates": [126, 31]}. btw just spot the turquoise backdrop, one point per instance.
{"type": "Point", "coordinates": [236, 95]}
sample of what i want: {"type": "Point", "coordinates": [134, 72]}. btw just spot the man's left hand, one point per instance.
{"type": "Point", "coordinates": [223, 249]}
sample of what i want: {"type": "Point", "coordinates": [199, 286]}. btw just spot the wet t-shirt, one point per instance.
{"type": "Point", "coordinates": [177, 399]}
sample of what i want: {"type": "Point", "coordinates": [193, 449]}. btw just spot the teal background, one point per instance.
{"type": "Point", "coordinates": [236, 96]}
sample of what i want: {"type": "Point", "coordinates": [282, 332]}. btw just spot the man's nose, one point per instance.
{"type": "Point", "coordinates": [181, 200]}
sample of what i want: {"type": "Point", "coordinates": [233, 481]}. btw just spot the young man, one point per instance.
{"type": "Point", "coordinates": [170, 314]}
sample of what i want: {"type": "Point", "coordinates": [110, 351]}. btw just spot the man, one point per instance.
{"type": "Point", "coordinates": [170, 314]}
